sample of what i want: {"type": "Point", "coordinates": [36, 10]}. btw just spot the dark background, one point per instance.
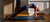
{"type": "Point", "coordinates": [1, 10]}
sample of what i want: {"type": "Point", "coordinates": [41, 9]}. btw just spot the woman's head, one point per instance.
{"type": "Point", "coordinates": [30, 5]}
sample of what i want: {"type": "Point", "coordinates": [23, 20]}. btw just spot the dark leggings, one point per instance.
{"type": "Point", "coordinates": [20, 10]}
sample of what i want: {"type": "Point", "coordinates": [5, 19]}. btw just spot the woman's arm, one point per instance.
{"type": "Point", "coordinates": [36, 11]}
{"type": "Point", "coordinates": [37, 8]}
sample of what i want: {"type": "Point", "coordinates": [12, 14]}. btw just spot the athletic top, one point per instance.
{"type": "Point", "coordinates": [32, 6]}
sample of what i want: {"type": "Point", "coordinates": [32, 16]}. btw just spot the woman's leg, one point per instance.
{"type": "Point", "coordinates": [20, 10]}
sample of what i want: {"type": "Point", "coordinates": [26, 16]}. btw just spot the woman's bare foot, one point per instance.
{"type": "Point", "coordinates": [8, 17]}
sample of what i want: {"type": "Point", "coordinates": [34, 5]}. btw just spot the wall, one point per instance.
{"type": "Point", "coordinates": [8, 9]}
{"type": "Point", "coordinates": [44, 6]}
{"type": "Point", "coordinates": [1, 10]}
{"type": "Point", "coordinates": [39, 0]}
{"type": "Point", "coordinates": [49, 8]}
{"type": "Point", "coordinates": [6, 2]}
{"type": "Point", "coordinates": [8, 6]}
{"type": "Point", "coordinates": [23, 2]}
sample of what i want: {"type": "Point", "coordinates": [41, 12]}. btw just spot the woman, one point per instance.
{"type": "Point", "coordinates": [26, 8]}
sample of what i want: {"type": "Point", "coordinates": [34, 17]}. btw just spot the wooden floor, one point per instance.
{"type": "Point", "coordinates": [47, 18]}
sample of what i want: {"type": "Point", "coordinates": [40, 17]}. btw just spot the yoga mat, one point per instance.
{"type": "Point", "coordinates": [26, 18]}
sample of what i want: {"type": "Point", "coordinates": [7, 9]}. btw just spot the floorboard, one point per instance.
{"type": "Point", "coordinates": [47, 18]}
